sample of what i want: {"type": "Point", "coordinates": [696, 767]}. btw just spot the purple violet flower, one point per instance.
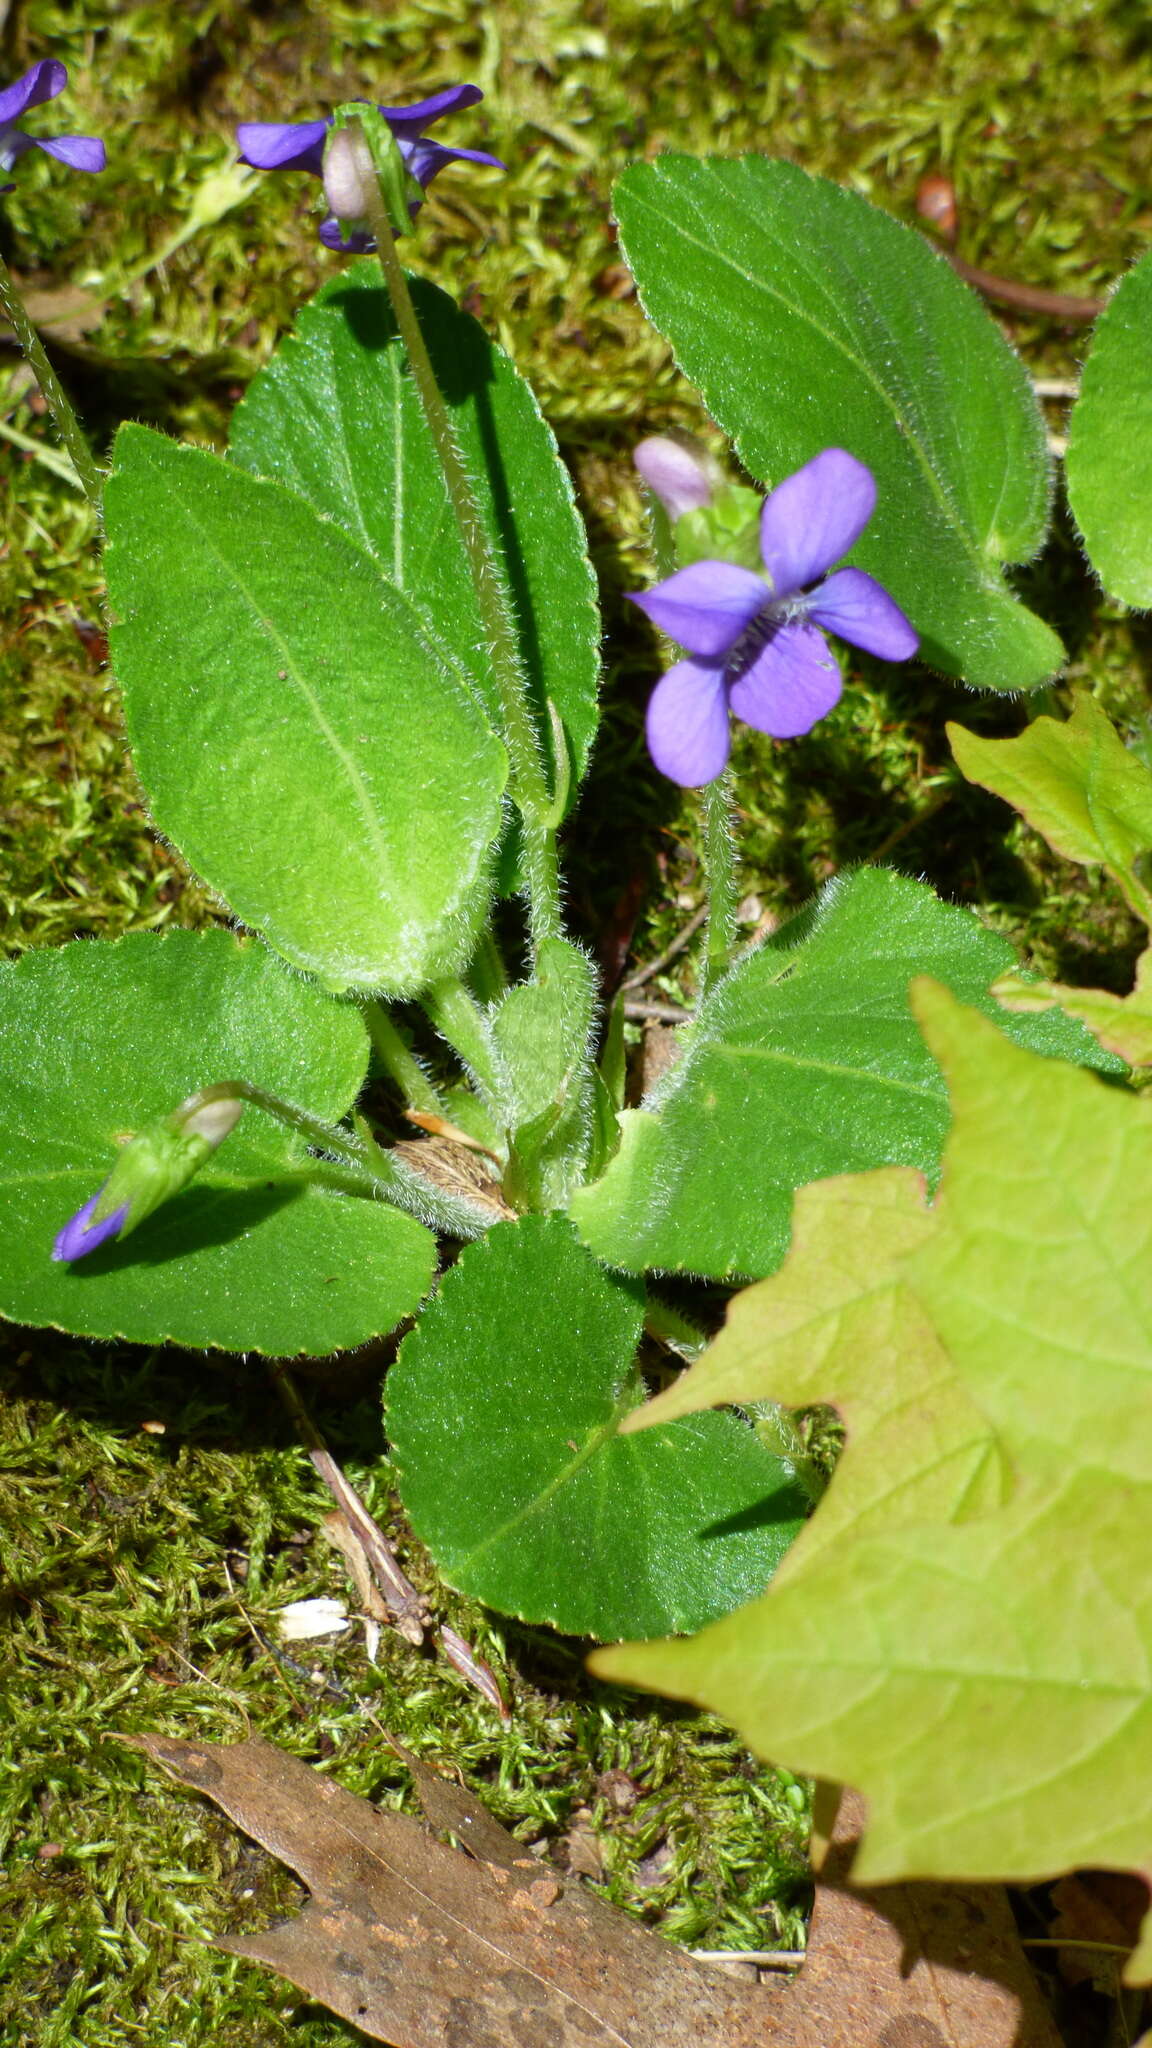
{"type": "Point", "coordinates": [42, 82]}
{"type": "Point", "coordinates": [299, 146]}
{"type": "Point", "coordinates": [759, 650]}
{"type": "Point", "coordinates": [81, 1236]}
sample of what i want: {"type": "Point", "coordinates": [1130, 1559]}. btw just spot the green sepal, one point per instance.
{"type": "Point", "coordinates": [166, 1155]}
{"type": "Point", "coordinates": [727, 530]}
{"type": "Point", "coordinates": [398, 188]}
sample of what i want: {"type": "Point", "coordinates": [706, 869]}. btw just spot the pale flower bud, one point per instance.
{"type": "Point", "coordinates": [348, 168]}
{"type": "Point", "coordinates": [681, 474]}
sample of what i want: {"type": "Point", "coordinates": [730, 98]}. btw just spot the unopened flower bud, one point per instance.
{"type": "Point", "coordinates": [348, 167]}
{"type": "Point", "coordinates": [155, 1164]}
{"type": "Point", "coordinates": [681, 473]}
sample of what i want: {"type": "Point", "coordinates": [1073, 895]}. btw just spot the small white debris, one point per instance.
{"type": "Point", "coordinates": [304, 1620]}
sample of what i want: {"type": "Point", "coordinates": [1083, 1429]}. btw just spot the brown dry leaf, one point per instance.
{"type": "Point", "coordinates": [911, 1965]}
{"type": "Point", "coordinates": [423, 1946]}
{"type": "Point", "coordinates": [1097, 1906]}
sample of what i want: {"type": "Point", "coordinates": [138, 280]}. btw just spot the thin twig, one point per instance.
{"type": "Point", "coordinates": [1107, 1948]}
{"type": "Point", "coordinates": [1029, 298]}
{"type": "Point", "coordinates": [1056, 387]}
{"type": "Point", "coordinates": [403, 1601]}
{"type": "Point", "coordinates": [652, 967]}
{"type": "Point", "coordinates": [655, 1013]}
{"type": "Point", "coordinates": [764, 1958]}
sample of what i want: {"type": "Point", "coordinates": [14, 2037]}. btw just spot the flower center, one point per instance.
{"type": "Point", "coordinates": [775, 613]}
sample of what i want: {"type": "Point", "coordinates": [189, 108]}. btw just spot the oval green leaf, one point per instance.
{"type": "Point", "coordinates": [805, 1062]}
{"type": "Point", "coordinates": [337, 416]}
{"type": "Point", "coordinates": [545, 1511]}
{"type": "Point", "coordinates": [310, 754]}
{"type": "Point", "coordinates": [809, 319]}
{"type": "Point", "coordinates": [95, 1041]}
{"type": "Point", "coordinates": [1109, 458]}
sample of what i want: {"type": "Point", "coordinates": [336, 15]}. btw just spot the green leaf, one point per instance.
{"type": "Point", "coordinates": [306, 749]}
{"type": "Point", "coordinates": [838, 1323]}
{"type": "Point", "coordinates": [1122, 1024]}
{"type": "Point", "coordinates": [1076, 783]}
{"type": "Point", "coordinates": [1109, 458]}
{"type": "Point", "coordinates": [96, 1041]}
{"type": "Point", "coordinates": [805, 1061]}
{"type": "Point", "coordinates": [336, 415]}
{"type": "Point", "coordinates": [808, 319]}
{"type": "Point", "coordinates": [540, 1031]}
{"type": "Point", "coordinates": [545, 1511]}
{"type": "Point", "coordinates": [985, 1683]}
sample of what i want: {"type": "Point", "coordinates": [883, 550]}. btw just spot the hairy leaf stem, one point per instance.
{"type": "Point", "coordinates": [460, 1020]}
{"type": "Point", "coordinates": [720, 865]}
{"type": "Point", "coordinates": [398, 1062]}
{"type": "Point", "coordinates": [356, 1165]}
{"type": "Point", "coordinates": [529, 785]}
{"type": "Point", "coordinates": [59, 405]}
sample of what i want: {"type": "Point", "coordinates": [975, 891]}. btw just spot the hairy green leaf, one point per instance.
{"type": "Point", "coordinates": [336, 415]}
{"type": "Point", "coordinates": [1122, 1024]}
{"type": "Point", "coordinates": [315, 759]}
{"type": "Point", "coordinates": [97, 1040]}
{"type": "Point", "coordinates": [805, 1061]}
{"type": "Point", "coordinates": [808, 319]}
{"type": "Point", "coordinates": [1109, 459]}
{"type": "Point", "coordinates": [544, 1510]}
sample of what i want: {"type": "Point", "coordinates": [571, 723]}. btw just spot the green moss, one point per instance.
{"type": "Point", "coordinates": [138, 1568]}
{"type": "Point", "coordinates": [117, 1542]}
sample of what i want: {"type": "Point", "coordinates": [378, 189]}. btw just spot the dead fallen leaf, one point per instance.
{"type": "Point", "coordinates": [911, 1965]}
{"type": "Point", "coordinates": [1097, 1907]}
{"type": "Point", "coordinates": [423, 1946]}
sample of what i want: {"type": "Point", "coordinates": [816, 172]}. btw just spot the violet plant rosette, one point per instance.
{"type": "Point", "coordinates": [42, 82]}
{"type": "Point", "coordinates": [299, 146]}
{"type": "Point", "coordinates": [757, 647]}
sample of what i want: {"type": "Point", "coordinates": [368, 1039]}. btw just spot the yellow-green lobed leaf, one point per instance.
{"type": "Point", "coordinates": [1077, 784]}
{"type": "Point", "coordinates": [987, 1683]}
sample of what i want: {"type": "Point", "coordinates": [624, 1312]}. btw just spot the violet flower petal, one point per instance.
{"type": "Point", "coordinates": [407, 123]}
{"type": "Point", "coordinates": [357, 242]}
{"type": "Point", "coordinates": [705, 607]}
{"type": "Point", "coordinates": [79, 1236]}
{"type": "Point", "coordinates": [82, 152]}
{"type": "Point", "coordinates": [41, 83]}
{"type": "Point", "coordinates": [853, 605]}
{"type": "Point", "coordinates": [282, 145]}
{"type": "Point", "coordinates": [423, 158]}
{"type": "Point", "coordinates": [813, 518]}
{"type": "Point", "coordinates": [687, 723]}
{"type": "Point", "coordinates": [13, 146]}
{"type": "Point", "coordinates": [792, 683]}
